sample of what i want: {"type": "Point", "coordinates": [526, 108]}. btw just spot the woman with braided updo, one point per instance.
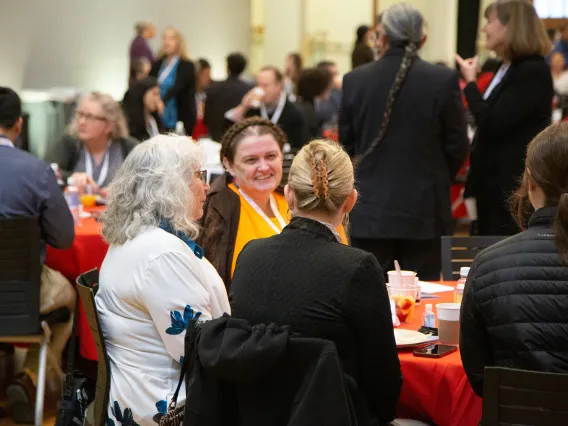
{"type": "Point", "coordinates": [403, 122]}
{"type": "Point", "coordinates": [306, 279]}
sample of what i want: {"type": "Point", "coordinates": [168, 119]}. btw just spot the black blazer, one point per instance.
{"type": "Point", "coordinates": [277, 379]}
{"type": "Point", "coordinates": [517, 110]}
{"type": "Point", "coordinates": [183, 91]}
{"type": "Point", "coordinates": [221, 97]}
{"type": "Point", "coordinates": [291, 122]}
{"type": "Point", "coordinates": [405, 183]}
{"type": "Point", "coordinates": [304, 278]}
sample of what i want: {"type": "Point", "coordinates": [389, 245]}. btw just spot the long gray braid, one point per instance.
{"type": "Point", "coordinates": [403, 24]}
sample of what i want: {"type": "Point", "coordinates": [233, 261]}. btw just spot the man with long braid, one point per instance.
{"type": "Point", "coordinates": [403, 123]}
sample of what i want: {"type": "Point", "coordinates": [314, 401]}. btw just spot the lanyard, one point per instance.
{"type": "Point", "coordinates": [6, 142]}
{"type": "Point", "coordinates": [496, 80]}
{"type": "Point", "coordinates": [277, 112]}
{"type": "Point", "coordinates": [152, 129]}
{"type": "Point", "coordinates": [104, 169]}
{"type": "Point", "coordinates": [274, 208]}
{"type": "Point", "coordinates": [165, 72]}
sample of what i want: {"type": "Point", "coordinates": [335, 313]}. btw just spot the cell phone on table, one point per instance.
{"type": "Point", "coordinates": [435, 351]}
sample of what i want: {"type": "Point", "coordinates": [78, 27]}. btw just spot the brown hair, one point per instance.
{"type": "Point", "coordinates": [321, 176]}
{"type": "Point", "coordinates": [253, 126]}
{"type": "Point", "coordinates": [277, 74]}
{"type": "Point", "coordinates": [526, 32]}
{"type": "Point", "coordinates": [546, 165]}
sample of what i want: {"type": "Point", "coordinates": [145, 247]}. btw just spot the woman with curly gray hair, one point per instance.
{"type": "Point", "coordinates": [154, 278]}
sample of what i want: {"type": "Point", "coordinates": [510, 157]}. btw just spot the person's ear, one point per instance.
{"type": "Point", "coordinates": [228, 166]}
{"type": "Point", "coordinates": [19, 126]}
{"type": "Point", "coordinates": [423, 41]}
{"type": "Point", "coordinates": [290, 197]}
{"type": "Point", "coordinates": [350, 201]}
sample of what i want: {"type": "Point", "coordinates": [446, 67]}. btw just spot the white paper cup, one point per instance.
{"type": "Point", "coordinates": [449, 323]}
{"type": "Point", "coordinates": [408, 279]}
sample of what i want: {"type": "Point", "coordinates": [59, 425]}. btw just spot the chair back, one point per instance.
{"type": "Point", "coordinates": [87, 285]}
{"type": "Point", "coordinates": [524, 398]}
{"type": "Point", "coordinates": [20, 275]}
{"type": "Point", "coordinates": [458, 252]}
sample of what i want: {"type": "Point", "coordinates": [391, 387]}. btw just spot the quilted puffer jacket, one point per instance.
{"type": "Point", "coordinates": [515, 307]}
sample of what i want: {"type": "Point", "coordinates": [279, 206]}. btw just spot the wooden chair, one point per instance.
{"type": "Point", "coordinates": [20, 320]}
{"type": "Point", "coordinates": [87, 285]}
{"type": "Point", "coordinates": [524, 398]}
{"type": "Point", "coordinates": [458, 252]}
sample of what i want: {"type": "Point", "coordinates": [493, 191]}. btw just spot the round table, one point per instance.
{"type": "Point", "coordinates": [87, 252]}
{"type": "Point", "coordinates": [436, 390]}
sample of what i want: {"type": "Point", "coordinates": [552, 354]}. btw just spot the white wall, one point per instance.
{"type": "Point", "coordinates": [441, 17]}
{"type": "Point", "coordinates": [84, 43]}
{"type": "Point", "coordinates": [283, 30]}
{"type": "Point", "coordinates": [338, 19]}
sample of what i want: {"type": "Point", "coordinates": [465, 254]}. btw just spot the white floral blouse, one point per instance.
{"type": "Point", "coordinates": [150, 288]}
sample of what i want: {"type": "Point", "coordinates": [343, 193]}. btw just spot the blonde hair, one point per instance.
{"type": "Point", "coordinates": [181, 45]}
{"type": "Point", "coordinates": [111, 110]}
{"type": "Point", "coordinates": [526, 32]}
{"type": "Point", "coordinates": [321, 177]}
{"type": "Point", "coordinates": [151, 186]}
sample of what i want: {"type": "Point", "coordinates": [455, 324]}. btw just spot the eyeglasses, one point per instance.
{"type": "Point", "coordinates": [202, 175]}
{"type": "Point", "coordinates": [89, 117]}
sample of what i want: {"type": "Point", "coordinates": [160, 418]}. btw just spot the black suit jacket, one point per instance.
{"type": "Point", "coordinates": [221, 97]}
{"type": "Point", "coordinates": [183, 91]}
{"type": "Point", "coordinates": [405, 183]}
{"type": "Point", "coordinates": [517, 109]}
{"type": "Point", "coordinates": [291, 122]}
{"type": "Point", "coordinates": [304, 278]}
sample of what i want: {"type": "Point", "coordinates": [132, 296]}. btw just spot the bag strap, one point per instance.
{"type": "Point", "coordinates": [193, 334]}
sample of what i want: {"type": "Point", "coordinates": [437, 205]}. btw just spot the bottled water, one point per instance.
{"type": "Point", "coordinates": [73, 200]}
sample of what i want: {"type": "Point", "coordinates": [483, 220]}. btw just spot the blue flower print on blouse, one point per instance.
{"type": "Point", "coordinates": [124, 418]}
{"type": "Point", "coordinates": [179, 324]}
{"type": "Point", "coordinates": [162, 407]}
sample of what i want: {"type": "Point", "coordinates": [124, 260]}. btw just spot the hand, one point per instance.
{"type": "Point", "coordinates": [468, 68]}
{"type": "Point", "coordinates": [250, 98]}
{"type": "Point", "coordinates": [103, 192]}
{"type": "Point", "coordinates": [80, 180]}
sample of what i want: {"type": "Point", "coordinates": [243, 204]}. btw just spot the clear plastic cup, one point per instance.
{"type": "Point", "coordinates": [405, 301]}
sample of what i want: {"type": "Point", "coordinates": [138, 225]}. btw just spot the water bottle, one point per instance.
{"type": "Point", "coordinates": [458, 293]}
{"type": "Point", "coordinates": [73, 200]}
{"type": "Point", "coordinates": [180, 129]}
{"type": "Point", "coordinates": [428, 318]}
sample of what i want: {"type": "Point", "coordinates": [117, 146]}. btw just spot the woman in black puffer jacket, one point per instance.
{"type": "Point", "coordinates": [515, 306]}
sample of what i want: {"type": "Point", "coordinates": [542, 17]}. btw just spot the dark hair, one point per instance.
{"type": "Point", "coordinates": [136, 67]}
{"type": "Point", "coordinates": [236, 64]}
{"type": "Point", "coordinates": [277, 74]}
{"type": "Point", "coordinates": [10, 108]}
{"type": "Point", "coordinates": [202, 64]}
{"type": "Point", "coordinates": [298, 65]}
{"type": "Point", "coordinates": [133, 105]}
{"type": "Point", "coordinates": [324, 65]}
{"type": "Point", "coordinates": [253, 126]}
{"type": "Point", "coordinates": [546, 165]}
{"type": "Point", "coordinates": [362, 31]}
{"type": "Point", "coordinates": [397, 20]}
{"type": "Point", "coordinates": [313, 82]}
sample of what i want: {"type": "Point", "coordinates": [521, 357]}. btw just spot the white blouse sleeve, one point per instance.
{"type": "Point", "coordinates": [174, 293]}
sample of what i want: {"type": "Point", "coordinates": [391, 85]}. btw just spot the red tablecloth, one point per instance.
{"type": "Point", "coordinates": [87, 252]}
{"type": "Point", "coordinates": [436, 390]}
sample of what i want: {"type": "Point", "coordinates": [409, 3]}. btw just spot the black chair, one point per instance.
{"type": "Point", "coordinates": [20, 320]}
{"type": "Point", "coordinates": [460, 251]}
{"type": "Point", "coordinates": [88, 285]}
{"type": "Point", "coordinates": [524, 398]}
